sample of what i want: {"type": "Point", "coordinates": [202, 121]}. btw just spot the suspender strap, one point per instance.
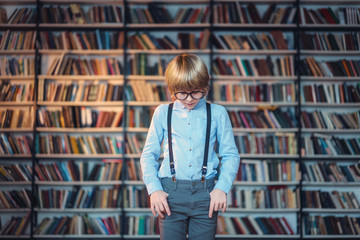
{"type": "Point", "coordinates": [207, 141]}
{"type": "Point", "coordinates": [171, 155]}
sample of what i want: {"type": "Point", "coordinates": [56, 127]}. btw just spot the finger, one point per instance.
{"type": "Point", "coordinates": [224, 208]}
{"type": "Point", "coordinates": [216, 208]}
{"type": "Point", "coordinates": [167, 208]}
{"type": "Point", "coordinates": [211, 210]}
{"type": "Point", "coordinates": [153, 210]}
{"type": "Point", "coordinates": [161, 215]}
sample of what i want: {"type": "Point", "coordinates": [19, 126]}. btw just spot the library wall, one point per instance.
{"type": "Point", "coordinates": [80, 80]}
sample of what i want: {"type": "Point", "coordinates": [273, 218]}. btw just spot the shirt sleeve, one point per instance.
{"type": "Point", "coordinates": [228, 152]}
{"type": "Point", "coordinates": [151, 152]}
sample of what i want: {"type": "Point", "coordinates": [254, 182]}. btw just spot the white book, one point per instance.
{"type": "Point", "coordinates": [229, 226]}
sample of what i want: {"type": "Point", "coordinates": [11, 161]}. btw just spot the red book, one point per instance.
{"type": "Point", "coordinates": [287, 225]}
{"type": "Point", "coordinates": [274, 225]}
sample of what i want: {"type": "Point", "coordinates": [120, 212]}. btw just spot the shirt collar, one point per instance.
{"type": "Point", "coordinates": [180, 106]}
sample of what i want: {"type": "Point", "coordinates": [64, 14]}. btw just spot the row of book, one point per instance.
{"type": "Point", "coordinates": [15, 172]}
{"type": "Point", "coordinates": [327, 15]}
{"type": "Point", "coordinates": [79, 198]}
{"type": "Point", "coordinates": [330, 41]}
{"type": "Point", "coordinates": [17, 118]}
{"type": "Point", "coordinates": [146, 41]}
{"type": "Point", "coordinates": [257, 92]}
{"type": "Point", "coordinates": [15, 226]}
{"type": "Point", "coordinates": [322, 144]}
{"type": "Point", "coordinates": [21, 66]}
{"type": "Point", "coordinates": [338, 68]}
{"type": "Point", "coordinates": [78, 117]}
{"type": "Point", "coordinates": [135, 143]}
{"type": "Point", "coordinates": [235, 12]}
{"type": "Point", "coordinates": [80, 91]}
{"type": "Point", "coordinates": [268, 171]}
{"type": "Point", "coordinates": [331, 225]}
{"type": "Point", "coordinates": [143, 91]}
{"type": "Point", "coordinates": [74, 13]}
{"type": "Point", "coordinates": [68, 65]}
{"type": "Point", "coordinates": [330, 120]}
{"type": "Point", "coordinates": [223, 13]}
{"type": "Point", "coordinates": [331, 93]}
{"type": "Point", "coordinates": [15, 199]}
{"type": "Point", "coordinates": [280, 143]}
{"type": "Point", "coordinates": [330, 172]}
{"type": "Point", "coordinates": [274, 40]}
{"type": "Point", "coordinates": [275, 119]}
{"type": "Point", "coordinates": [11, 40]}
{"type": "Point", "coordinates": [97, 40]}
{"type": "Point", "coordinates": [19, 16]}
{"type": "Point", "coordinates": [139, 65]}
{"type": "Point", "coordinates": [109, 170]}
{"type": "Point", "coordinates": [265, 171]}
{"type": "Point", "coordinates": [86, 144]}
{"type": "Point", "coordinates": [139, 117]}
{"type": "Point", "coordinates": [15, 144]}
{"type": "Point", "coordinates": [334, 199]}
{"type": "Point", "coordinates": [250, 225]}
{"type": "Point", "coordinates": [271, 197]}
{"type": "Point", "coordinates": [282, 66]}
{"type": "Point", "coordinates": [156, 13]}
{"type": "Point", "coordinates": [12, 91]}
{"type": "Point", "coordinates": [79, 225]}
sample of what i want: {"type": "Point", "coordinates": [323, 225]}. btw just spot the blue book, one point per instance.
{"type": "Point", "coordinates": [262, 225]}
{"type": "Point", "coordinates": [102, 225]}
{"type": "Point", "coordinates": [98, 39]}
{"type": "Point", "coordinates": [66, 175]}
{"type": "Point", "coordinates": [107, 40]}
{"type": "Point", "coordinates": [7, 144]}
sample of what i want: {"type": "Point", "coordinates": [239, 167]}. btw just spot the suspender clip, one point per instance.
{"type": "Point", "coordinates": [203, 178]}
{"type": "Point", "coordinates": [173, 178]}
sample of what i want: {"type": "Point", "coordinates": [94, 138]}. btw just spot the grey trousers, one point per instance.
{"type": "Point", "coordinates": [189, 203]}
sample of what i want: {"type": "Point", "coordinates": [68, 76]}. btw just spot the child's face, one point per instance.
{"type": "Point", "coordinates": [192, 99]}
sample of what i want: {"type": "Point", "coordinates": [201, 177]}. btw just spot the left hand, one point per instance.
{"type": "Point", "coordinates": [217, 201]}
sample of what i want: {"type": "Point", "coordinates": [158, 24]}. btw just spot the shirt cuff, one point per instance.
{"type": "Point", "coordinates": [223, 186]}
{"type": "Point", "coordinates": [154, 186]}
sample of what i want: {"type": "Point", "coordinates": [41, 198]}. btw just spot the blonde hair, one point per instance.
{"type": "Point", "coordinates": [187, 72]}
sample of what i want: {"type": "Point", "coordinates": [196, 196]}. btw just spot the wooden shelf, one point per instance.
{"type": "Point", "coordinates": [83, 77]}
{"type": "Point", "coordinates": [85, 104]}
{"type": "Point", "coordinates": [107, 52]}
{"type": "Point", "coordinates": [254, 52]}
{"type": "Point", "coordinates": [80, 130]}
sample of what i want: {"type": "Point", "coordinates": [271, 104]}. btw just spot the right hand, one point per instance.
{"type": "Point", "coordinates": [159, 204]}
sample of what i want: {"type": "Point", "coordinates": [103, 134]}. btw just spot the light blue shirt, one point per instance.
{"type": "Point", "coordinates": [188, 138]}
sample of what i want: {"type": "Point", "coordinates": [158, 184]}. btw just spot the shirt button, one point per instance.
{"type": "Point", "coordinates": [188, 123]}
{"type": "Point", "coordinates": [189, 138]}
{"type": "Point", "coordinates": [190, 149]}
{"type": "Point", "coordinates": [189, 165]}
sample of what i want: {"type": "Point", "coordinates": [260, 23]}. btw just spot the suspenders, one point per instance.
{"type": "Point", "coordinates": [207, 139]}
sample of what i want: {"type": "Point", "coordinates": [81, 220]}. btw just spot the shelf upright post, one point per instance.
{"type": "Point", "coordinates": [211, 92]}
{"type": "Point", "coordinates": [33, 215]}
{"type": "Point", "coordinates": [124, 168]}
{"type": "Point", "coordinates": [298, 116]}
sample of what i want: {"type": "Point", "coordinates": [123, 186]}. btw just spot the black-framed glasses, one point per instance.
{"type": "Point", "coordinates": [194, 94]}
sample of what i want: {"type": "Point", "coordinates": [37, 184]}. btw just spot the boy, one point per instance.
{"type": "Point", "coordinates": [182, 191]}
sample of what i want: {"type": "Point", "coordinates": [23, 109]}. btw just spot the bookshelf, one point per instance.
{"type": "Point", "coordinates": [98, 62]}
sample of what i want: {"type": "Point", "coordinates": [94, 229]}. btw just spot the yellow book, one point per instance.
{"type": "Point", "coordinates": [74, 146]}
